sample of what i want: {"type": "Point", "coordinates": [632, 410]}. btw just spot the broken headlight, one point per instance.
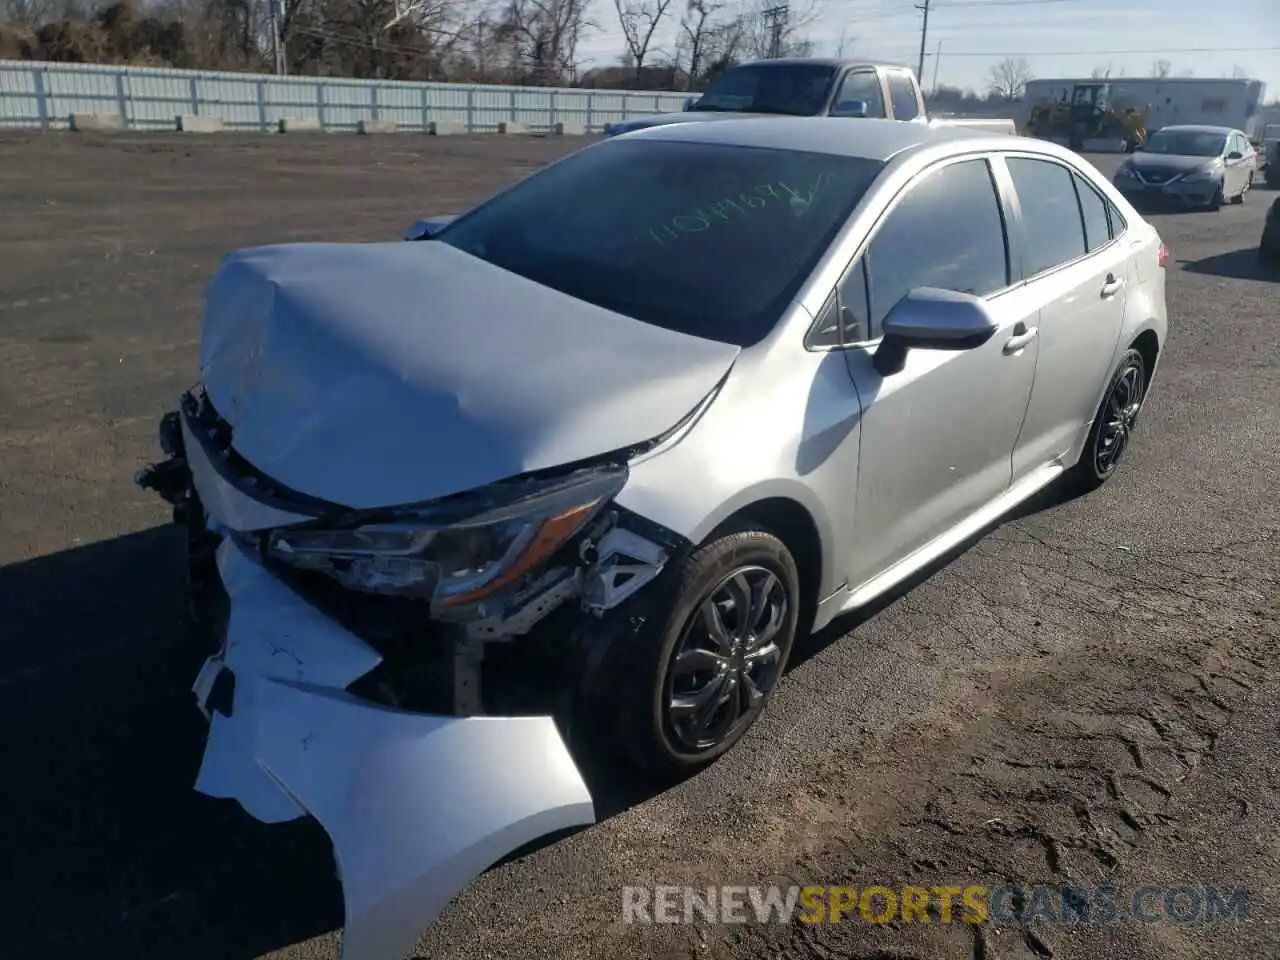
{"type": "Point", "coordinates": [449, 556]}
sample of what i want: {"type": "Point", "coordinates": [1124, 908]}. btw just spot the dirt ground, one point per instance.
{"type": "Point", "coordinates": [1087, 695]}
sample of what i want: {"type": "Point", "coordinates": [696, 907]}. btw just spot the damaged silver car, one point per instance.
{"type": "Point", "coordinates": [572, 472]}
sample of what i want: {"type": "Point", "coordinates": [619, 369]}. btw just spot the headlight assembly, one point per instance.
{"type": "Point", "coordinates": [1200, 176]}
{"type": "Point", "coordinates": [454, 556]}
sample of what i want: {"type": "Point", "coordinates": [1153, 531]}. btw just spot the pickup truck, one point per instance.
{"type": "Point", "coordinates": [809, 87]}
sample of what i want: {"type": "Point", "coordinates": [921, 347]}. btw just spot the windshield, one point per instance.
{"type": "Point", "coordinates": [711, 240]}
{"type": "Point", "coordinates": [801, 89]}
{"type": "Point", "coordinates": [1186, 143]}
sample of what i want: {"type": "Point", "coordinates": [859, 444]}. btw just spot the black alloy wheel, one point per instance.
{"type": "Point", "coordinates": [715, 642]}
{"type": "Point", "coordinates": [1113, 425]}
{"type": "Point", "coordinates": [727, 659]}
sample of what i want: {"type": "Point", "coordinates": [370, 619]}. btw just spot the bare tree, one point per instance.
{"type": "Point", "coordinates": [1239, 73]}
{"type": "Point", "coordinates": [1101, 73]}
{"type": "Point", "coordinates": [543, 37]}
{"type": "Point", "coordinates": [1008, 78]}
{"type": "Point", "coordinates": [842, 43]}
{"type": "Point", "coordinates": [1161, 69]}
{"type": "Point", "coordinates": [27, 13]}
{"type": "Point", "coordinates": [639, 20]}
{"type": "Point", "coordinates": [709, 37]}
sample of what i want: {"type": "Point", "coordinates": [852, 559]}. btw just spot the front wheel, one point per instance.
{"type": "Point", "coordinates": [1113, 425]}
{"type": "Point", "coordinates": [699, 676]}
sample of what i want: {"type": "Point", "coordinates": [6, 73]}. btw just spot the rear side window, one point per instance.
{"type": "Point", "coordinates": [947, 232]}
{"type": "Point", "coordinates": [1118, 223]}
{"type": "Point", "coordinates": [1097, 227]}
{"type": "Point", "coordinates": [1053, 230]}
{"type": "Point", "coordinates": [865, 86]}
{"type": "Point", "coordinates": [902, 94]}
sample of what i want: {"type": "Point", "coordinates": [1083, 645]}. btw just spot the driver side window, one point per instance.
{"type": "Point", "coordinates": [863, 85]}
{"type": "Point", "coordinates": [947, 232]}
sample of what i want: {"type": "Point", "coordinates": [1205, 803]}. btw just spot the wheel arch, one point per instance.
{"type": "Point", "coordinates": [793, 524]}
{"type": "Point", "coordinates": [1147, 343]}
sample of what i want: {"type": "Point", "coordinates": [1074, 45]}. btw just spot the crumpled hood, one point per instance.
{"type": "Point", "coordinates": [382, 374]}
{"type": "Point", "coordinates": [1168, 163]}
{"type": "Point", "coordinates": [692, 116]}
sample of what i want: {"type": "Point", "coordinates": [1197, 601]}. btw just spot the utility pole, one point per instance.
{"type": "Point", "coordinates": [924, 34]}
{"type": "Point", "coordinates": [275, 10]}
{"type": "Point", "coordinates": [776, 18]}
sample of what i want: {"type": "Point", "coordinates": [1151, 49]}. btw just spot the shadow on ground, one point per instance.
{"type": "Point", "coordinates": [1243, 264]}
{"type": "Point", "coordinates": [110, 851]}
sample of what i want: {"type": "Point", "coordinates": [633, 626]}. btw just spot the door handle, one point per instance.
{"type": "Point", "coordinates": [1112, 286]}
{"type": "Point", "coordinates": [1022, 335]}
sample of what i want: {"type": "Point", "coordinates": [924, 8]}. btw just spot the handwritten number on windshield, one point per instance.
{"type": "Point", "coordinates": [733, 209]}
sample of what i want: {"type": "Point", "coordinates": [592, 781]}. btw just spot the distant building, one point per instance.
{"type": "Point", "coordinates": [1166, 100]}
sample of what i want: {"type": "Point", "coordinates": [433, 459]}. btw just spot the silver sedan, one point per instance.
{"type": "Point", "coordinates": [577, 470]}
{"type": "Point", "coordinates": [1190, 165]}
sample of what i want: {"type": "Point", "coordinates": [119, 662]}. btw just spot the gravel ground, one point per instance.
{"type": "Point", "coordinates": [1086, 695]}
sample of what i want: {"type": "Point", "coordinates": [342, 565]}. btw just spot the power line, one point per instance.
{"type": "Point", "coordinates": [1105, 53]}
{"type": "Point", "coordinates": [973, 4]}
{"type": "Point", "coordinates": [875, 14]}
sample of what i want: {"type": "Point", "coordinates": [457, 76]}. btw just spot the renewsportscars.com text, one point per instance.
{"type": "Point", "coordinates": [936, 904]}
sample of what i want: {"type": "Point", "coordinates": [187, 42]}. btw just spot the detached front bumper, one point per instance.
{"type": "Point", "coordinates": [416, 805]}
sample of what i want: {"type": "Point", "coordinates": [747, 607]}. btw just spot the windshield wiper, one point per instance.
{"type": "Point", "coordinates": [713, 109]}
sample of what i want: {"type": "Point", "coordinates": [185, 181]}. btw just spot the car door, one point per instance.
{"type": "Point", "coordinates": [937, 436]}
{"type": "Point", "coordinates": [1076, 272]}
{"type": "Point", "coordinates": [1242, 167]}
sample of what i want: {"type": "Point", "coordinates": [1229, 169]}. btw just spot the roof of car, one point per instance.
{"type": "Point", "coordinates": [1197, 128]}
{"type": "Point", "coordinates": [823, 62]}
{"type": "Point", "coordinates": [870, 139]}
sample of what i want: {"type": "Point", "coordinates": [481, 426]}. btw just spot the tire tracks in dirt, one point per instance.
{"type": "Point", "coordinates": [1058, 769]}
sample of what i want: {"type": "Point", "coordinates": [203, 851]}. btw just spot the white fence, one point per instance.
{"type": "Point", "coordinates": [39, 94]}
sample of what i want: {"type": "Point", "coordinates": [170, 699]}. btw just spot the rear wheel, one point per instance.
{"type": "Point", "coordinates": [1113, 425]}
{"type": "Point", "coordinates": [697, 678]}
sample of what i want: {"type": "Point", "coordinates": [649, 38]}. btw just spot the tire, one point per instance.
{"type": "Point", "coordinates": [1097, 465]}
{"type": "Point", "coordinates": [1218, 199]}
{"type": "Point", "coordinates": [644, 684]}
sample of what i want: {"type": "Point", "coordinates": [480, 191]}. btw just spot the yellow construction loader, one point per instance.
{"type": "Point", "coordinates": [1086, 112]}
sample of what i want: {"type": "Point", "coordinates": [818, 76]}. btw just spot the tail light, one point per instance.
{"type": "Point", "coordinates": [1162, 256]}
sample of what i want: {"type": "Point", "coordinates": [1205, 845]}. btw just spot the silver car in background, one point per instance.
{"type": "Point", "coordinates": [577, 470]}
{"type": "Point", "coordinates": [1190, 165]}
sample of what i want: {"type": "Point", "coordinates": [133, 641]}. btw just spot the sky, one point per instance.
{"type": "Point", "coordinates": [1058, 38]}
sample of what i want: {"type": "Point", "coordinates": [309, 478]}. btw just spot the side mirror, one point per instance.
{"type": "Point", "coordinates": [688, 103]}
{"type": "Point", "coordinates": [426, 229]}
{"type": "Point", "coordinates": [1235, 155]}
{"type": "Point", "coordinates": [850, 108]}
{"type": "Point", "coordinates": [931, 319]}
